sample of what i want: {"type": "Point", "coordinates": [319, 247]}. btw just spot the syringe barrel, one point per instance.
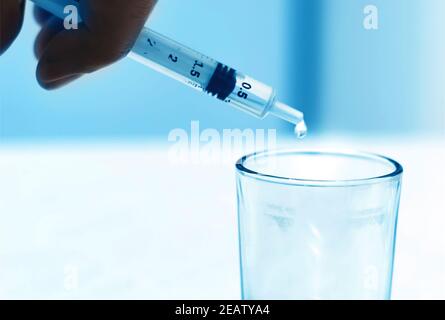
{"type": "Point", "coordinates": [202, 72]}
{"type": "Point", "coordinates": [191, 67]}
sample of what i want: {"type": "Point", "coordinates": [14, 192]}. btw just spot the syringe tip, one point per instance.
{"type": "Point", "coordinates": [291, 115]}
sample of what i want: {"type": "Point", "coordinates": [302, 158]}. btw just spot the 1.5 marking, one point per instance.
{"type": "Point", "coordinates": [195, 73]}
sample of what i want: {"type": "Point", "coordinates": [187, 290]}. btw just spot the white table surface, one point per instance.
{"type": "Point", "coordinates": [120, 220]}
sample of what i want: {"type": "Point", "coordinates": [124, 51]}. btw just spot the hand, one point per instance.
{"type": "Point", "coordinates": [107, 34]}
{"type": "Point", "coordinates": [11, 20]}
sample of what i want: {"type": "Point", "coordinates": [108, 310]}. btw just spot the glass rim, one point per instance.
{"type": "Point", "coordinates": [243, 170]}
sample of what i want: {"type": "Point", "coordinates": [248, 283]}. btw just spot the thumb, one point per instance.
{"type": "Point", "coordinates": [11, 20]}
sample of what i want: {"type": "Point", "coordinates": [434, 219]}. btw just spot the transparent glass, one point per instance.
{"type": "Point", "coordinates": [317, 224]}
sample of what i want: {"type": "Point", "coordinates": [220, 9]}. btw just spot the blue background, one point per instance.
{"type": "Point", "coordinates": [315, 53]}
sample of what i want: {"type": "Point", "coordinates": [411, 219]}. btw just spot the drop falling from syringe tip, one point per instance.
{"type": "Point", "coordinates": [301, 129]}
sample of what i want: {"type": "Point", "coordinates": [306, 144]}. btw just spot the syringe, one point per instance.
{"type": "Point", "coordinates": [200, 72]}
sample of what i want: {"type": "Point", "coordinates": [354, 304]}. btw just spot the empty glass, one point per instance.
{"type": "Point", "coordinates": [317, 225]}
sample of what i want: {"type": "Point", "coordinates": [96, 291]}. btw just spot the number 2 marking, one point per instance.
{"type": "Point", "coordinates": [173, 58]}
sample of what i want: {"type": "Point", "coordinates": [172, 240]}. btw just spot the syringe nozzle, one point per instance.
{"type": "Point", "coordinates": [291, 115]}
{"type": "Point", "coordinates": [286, 112]}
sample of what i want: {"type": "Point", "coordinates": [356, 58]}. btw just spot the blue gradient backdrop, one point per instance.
{"type": "Point", "coordinates": [316, 53]}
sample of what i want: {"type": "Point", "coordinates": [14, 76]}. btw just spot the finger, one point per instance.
{"type": "Point", "coordinates": [61, 82]}
{"type": "Point", "coordinates": [50, 29]}
{"type": "Point", "coordinates": [116, 18]}
{"type": "Point", "coordinates": [115, 23]}
{"type": "Point", "coordinates": [108, 33]}
{"type": "Point", "coordinates": [62, 58]}
{"type": "Point", "coordinates": [41, 16]}
{"type": "Point", "coordinates": [11, 21]}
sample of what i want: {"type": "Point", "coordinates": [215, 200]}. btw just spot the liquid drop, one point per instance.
{"type": "Point", "coordinates": [301, 129]}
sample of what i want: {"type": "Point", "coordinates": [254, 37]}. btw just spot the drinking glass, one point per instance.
{"type": "Point", "coordinates": [317, 224]}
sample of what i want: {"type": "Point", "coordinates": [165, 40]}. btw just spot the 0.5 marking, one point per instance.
{"type": "Point", "coordinates": [241, 93]}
